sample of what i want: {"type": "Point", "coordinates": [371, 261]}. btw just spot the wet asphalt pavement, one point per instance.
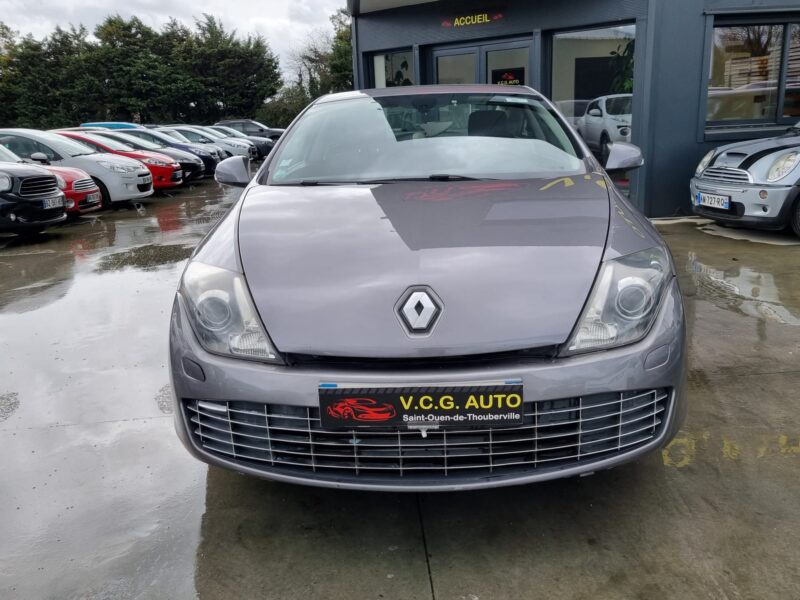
{"type": "Point", "coordinates": [99, 500]}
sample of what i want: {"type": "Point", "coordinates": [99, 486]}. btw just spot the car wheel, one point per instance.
{"type": "Point", "coordinates": [604, 149]}
{"type": "Point", "coordinates": [794, 217]}
{"type": "Point", "coordinates": [105, 197]}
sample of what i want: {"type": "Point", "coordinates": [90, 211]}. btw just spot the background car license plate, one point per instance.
{"type": "Point", "coordinates": [93, 197]}
{"type": "Point", "coordinates": [714, 200]}
{"type": "Point", "coordinates": [52, 202]}
{"type": "Point", "coordinates": [147, 179]}
{"type": "Point", "coordinates": [482, 405]}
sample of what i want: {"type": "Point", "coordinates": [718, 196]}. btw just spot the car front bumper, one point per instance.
{"type": "Point", "coordinates": [747, 206]}
{"type": "Point", "coordinates": [655, 363]}
{"type": "Point", "coordinates": [130, 186]}
{"type": "Point", "coordinates": [20, 214]}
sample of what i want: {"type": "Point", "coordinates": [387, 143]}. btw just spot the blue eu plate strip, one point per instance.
{"type": "Point", "coordinates": [329, 385]}
{"type": "Point", "coordinates": [516, 381]}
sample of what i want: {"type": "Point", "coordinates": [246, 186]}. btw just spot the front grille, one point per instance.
{"type": "Point", "coordinates": [555, 434]}
{"type": "Point", "coordinates": [82, 185]}
{"type": "Point", "coordinates": [727, 175]}
{"type": "Point", "coordinates": [43, 185]}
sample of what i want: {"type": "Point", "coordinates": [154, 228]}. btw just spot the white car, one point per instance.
{"type": "Point", "coordinates": [232, 146]}
{"type": "Point", "coordinates": [607, 119]}
{"type": "Point", "coordinates": [119, 178]}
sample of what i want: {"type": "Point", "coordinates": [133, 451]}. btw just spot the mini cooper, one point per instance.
{"type": "Point", "coordinates": [452, 296]}
{"type": "Point", "coordinates": [753, 184]}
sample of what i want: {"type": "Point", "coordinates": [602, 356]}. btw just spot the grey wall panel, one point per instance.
{"type": "Point", "coordinates": [423, 24]}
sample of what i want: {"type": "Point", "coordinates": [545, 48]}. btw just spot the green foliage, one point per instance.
{"type": "Point", "coordinates": [623, 68]}
{"type": "Point", "coordinates": [132, 72]}
{"type": "Point", "coordinates": [323, 66]}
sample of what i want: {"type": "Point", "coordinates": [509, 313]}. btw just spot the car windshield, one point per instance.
{"type": "Point", "coordinates": [7, 155]}
{"type": "Point", "coordinates": [115, 145]}
{"type": "Point", "coordinates": [214, 135]}
{"type": "Point", "coordinates": [228, 132]}
{"type": "Point", "coordinates": [176, 135]}
{"type": "Point", "coordinates": [619, 106]}
{"type": "Point", "coordinates": [439, 136]}
{"type": "Point", "coordinates": [137, 142]}
{"type": "Point", "coordinates": [64, 145]}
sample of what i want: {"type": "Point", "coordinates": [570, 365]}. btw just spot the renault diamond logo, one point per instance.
{"type": "Point", "coordinates": [419, 308]}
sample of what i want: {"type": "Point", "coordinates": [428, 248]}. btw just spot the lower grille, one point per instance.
{"type": "Point", "coordinates": [82, 185]}
{"type": "Point", "coordinates": [555, 434]}
{"type": "Point", "coordinates": [38, 186]}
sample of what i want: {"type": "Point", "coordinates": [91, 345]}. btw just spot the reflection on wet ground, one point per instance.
{"type": "Point", "coordinates": [99, 500]}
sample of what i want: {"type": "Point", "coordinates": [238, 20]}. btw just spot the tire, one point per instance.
{"type": "Point", "coordinates": [105, 201]}
{"type": "Point", "coordinates": [794, 217]}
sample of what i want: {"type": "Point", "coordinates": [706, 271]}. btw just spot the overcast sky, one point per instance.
{"type": "Point", "coordinates": [284, 23]}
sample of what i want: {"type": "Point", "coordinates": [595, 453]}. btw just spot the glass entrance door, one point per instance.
{"type": "Point", "coordinates": [504, 63]}
{"type": "Point", "coordinates": [456, 66]}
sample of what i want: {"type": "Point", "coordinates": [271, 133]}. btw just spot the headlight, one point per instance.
{"type": "Point", "coordinates": [223, 315]}
{"type": "Point", "coordinates": [117, 168]}
{"type": "Point", "coordinates": [5, 182]}
{"type": "Point", "coordinates": [155, 162]}
{"type": "Point", "coordinates": [704, 163]}
{"type": "Point", "coordinates": [781, 167]}
{"type": "Point", "coordinates": [62, 185]}
{"type": "Point", "coordinates": [624, 301]}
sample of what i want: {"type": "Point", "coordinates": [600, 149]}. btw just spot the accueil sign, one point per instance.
{"type": "Point", "coordinates": [472, 20]}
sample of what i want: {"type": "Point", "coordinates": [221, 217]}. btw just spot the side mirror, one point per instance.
{"type": "Point", "coordinates": [40, 157]}
{"type": "Point", "coordinates": [233, 171]}
{"type": "Point", "coordinates": [595, 112]}
{"type": "Point", "coordinates": [623, 156]}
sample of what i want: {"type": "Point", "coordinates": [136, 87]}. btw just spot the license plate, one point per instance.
{"type": "Point", "coordinates": [146, 179]}
{"type": "Point", "coordinates": [52, 202]}
{"type": "Point", "coordinates": [93, 198]}
{"type": "Point", "coordinates": [428, 407]}
{"type": "Point", "coordinates": [713, 200]}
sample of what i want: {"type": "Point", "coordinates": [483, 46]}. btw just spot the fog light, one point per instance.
{"type": "Point", "coordinates": [70, 204]}
{"type": "Point", "coordinates": [763, 194]}
{"type": "Point", "coordinates": [12, 216]}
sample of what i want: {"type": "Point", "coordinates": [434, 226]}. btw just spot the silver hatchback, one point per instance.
{"type": "Point", "coordinates": [428, 289]}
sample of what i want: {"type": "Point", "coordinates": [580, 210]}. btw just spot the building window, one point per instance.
{"type": "Point", "coordinates": [592, 83]}
{"type": "Point", "coordinates": [393, 69]}
{"type": "Point", "coordinates": [746, 80]}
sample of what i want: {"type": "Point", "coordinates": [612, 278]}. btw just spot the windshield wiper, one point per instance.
{"type": "Point", "coordinates": [433, 177]}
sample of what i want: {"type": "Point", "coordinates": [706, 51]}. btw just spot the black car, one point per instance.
{"type": "Point", "coordinates": [29, 199]}
{"type": "Point", "coordinates": [209, 156]}
{"type": "Point", "coordinates": [251, 127]}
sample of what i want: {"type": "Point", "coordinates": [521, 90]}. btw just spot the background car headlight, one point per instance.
{"type": "Point", "coordinates": [222, 313]}
{"type": "Point", "coordinates": [624, 301]}
{"type": "Point", "coordinates": [5, 182]}
{"type": "Point", "coordinates": [704, 163]}
{"type": "Point", "coordinates": [62, 185]}
{"type": "Point", "coordinates": [781, 167]}
{"type": "Point", "coordinates": [155, 162]}
{"type": "Point", "coordinates": [117, 168]}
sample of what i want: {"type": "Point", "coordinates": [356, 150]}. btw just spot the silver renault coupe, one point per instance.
{"type": "Point", "coordinates": [428, 288]}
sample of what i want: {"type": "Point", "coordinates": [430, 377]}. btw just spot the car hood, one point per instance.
{"type": "Point", "coordinates": [16, 169]}
{"type": "Point", "coordinates": [68, 173]}
{"type": "Point", "coordinates": [113, 159]}
{"type": "Point", "coordinates": [155, 155]}
{"type": "Point", "coordinates": [512, 262]}
{"type": "Point", "coordinates": [741, 154]}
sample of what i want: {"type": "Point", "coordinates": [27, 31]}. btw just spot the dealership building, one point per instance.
{"type": "Point", "coordinates": [698, 73]}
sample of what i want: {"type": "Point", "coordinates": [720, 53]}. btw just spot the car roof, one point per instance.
{"type": "Point", "coordinates": [412, 90]}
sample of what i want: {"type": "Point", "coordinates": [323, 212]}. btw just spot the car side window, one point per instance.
{"type": "Point", "coordinates": [192, 136]}
{"type": "Point", "coordinates": [25, 148]}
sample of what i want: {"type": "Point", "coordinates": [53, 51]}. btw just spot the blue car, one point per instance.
{"type": "Point", "coordinates": [209, 156]}
{"type": "Point", "coordinates": [112, 125]}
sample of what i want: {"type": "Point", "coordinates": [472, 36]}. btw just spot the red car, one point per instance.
{"type": "Point", "coordinates": [361, 409]}
{"type": "Point", "coordinates": [81, 194]}
{"type": "Point", "coordinates": [166, 172]}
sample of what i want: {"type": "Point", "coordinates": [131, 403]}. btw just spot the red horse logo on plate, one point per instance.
{"type": "Point", "coordinates": [363, 410]}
